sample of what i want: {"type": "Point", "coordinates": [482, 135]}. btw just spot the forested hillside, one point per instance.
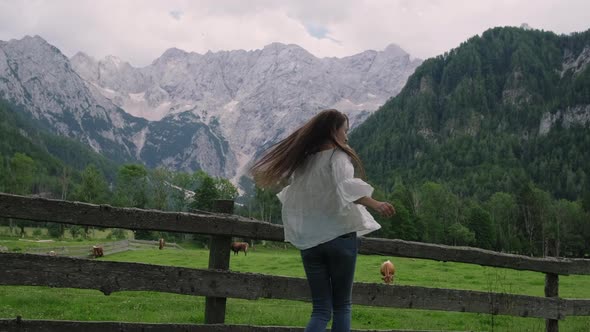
{"type": "Point", "coordinates": [36, 162]}
{"type": "Point", "coordinates": [54, 162]}
{"type": "Point", "coordinates": [479, 117]}
{"type": "Point", "coordinates": [490, 144]}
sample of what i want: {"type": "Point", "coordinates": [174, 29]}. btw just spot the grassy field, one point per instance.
{"type": "Point", "coordinates": [40, 233]}
{"type": "Point", "coordinates": [73, 304]}
{"type": "Point", "coordinates": [36, 238]}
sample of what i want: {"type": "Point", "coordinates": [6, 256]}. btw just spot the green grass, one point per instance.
{"type": "Point", "coordinates": [74, 304]}
{"type": "Point", "coordinates": [14, 244]}
{"type": "Point", "coordinates": [22, 246]}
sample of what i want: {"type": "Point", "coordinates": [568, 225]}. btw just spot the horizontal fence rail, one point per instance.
{"type": "Point", "coordinates": [60, 326]}
{"type": "Point", "coordinates": [109, 277]}
{"type": "Point", "coordinates": [82, 251]}
{"type": "Point", "coordinates": [109, 248]}
{"type": "Point", "coordinates": [401, 248]}
{"type": "Point", "coordinates": [76, 213]}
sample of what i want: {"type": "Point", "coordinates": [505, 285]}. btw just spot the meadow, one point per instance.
{"type": "Point", "coordinates": [75, 304]}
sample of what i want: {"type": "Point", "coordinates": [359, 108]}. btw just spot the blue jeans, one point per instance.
{"type": "Point", "coordinates": [330, 272]}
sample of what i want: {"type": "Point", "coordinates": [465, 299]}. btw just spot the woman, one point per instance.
{"type": "Point", "coordinates": [323, 210]}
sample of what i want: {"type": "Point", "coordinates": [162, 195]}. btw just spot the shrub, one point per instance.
{"type": "Point", "coordinates": [117, 234]}
{"type": "Point", "coordinates": [37, 232]}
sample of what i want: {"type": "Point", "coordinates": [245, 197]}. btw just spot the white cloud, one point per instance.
{"type": "Point", "coordinates": [141, 30]}
{"type": "Point", "coordinates": [176, 14]}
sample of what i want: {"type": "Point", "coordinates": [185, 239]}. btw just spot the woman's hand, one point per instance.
{"type": "Point", "coordinates": [385, 209]}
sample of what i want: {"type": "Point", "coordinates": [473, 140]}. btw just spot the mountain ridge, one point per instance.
{"type": "Point", "coordinates": [240, 99]}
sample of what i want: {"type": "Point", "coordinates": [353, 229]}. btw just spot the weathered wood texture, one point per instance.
{"type": "Point", "coordinates": [108, 277]}
{"type": "Point", "coordinates": [109, 248]}
{"type": "Point", "coordinates": [551, 291]}
{"type": "Point", "coordinates": [219, 260]}
{"type": "Point", "coordinates": [220, 245]}
{"type": "Point", "coordinates": [77, 213]}
{"type": "Point", "coordinates": [149, 243]}
{"type": "Point", "coordinates": [578, 266]}
{"type": "Point", "coordinates": [14, 325]}
{"type": "Point", "coordinates": [75, 326]}
{"type": "Point", "coordinates": [83, 251]}
{"type": "Point", "coordinates": [472, 255]}
{"type": "Point", "coordinates": [577, 307]}
{"type": "Point", "coordinates": [39, 209]}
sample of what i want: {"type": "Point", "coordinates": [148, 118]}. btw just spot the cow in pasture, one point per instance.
{"type": "Point", "coordinates": [97, 251]}
{"type": "Point", "coordinates": [161, 244]}
{"type": "Point", "coordinates": [236, 247]}
{"type": "Point", "coordinates": [388, 272]}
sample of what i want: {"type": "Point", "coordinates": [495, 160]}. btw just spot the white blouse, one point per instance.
{"type": "Point", "coordinates": [318, 205]}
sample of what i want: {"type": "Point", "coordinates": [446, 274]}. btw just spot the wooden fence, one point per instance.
{"type": "Point", "coordinates": [217, 283]}
{"type": "Point", "coordinates": [109, 248]}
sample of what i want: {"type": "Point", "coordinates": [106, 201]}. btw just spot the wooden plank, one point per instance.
{"type": "Point", "coordinates": [74, 253]}
{"type": "Point", "coordinates": [118, 244]}
{"type": "Point", "coordinates": [62, 248]}
{"type": "Point", "coordinates": [116, 251]}
{"type": "Point", "coordinates": [579, 266]}
{"type": "Point", "coordinates": [78, 249]}
{"type": "Point", "coordinates": [18, 325]}
{"type": "Point", "coordinates": [40, 209]}
{"type": "Point", "coordinates": [108, 277]}
{"type": "Point", "coordinates": [401, 248]}
{"type": "Point", "coordinates": [551, 291]}
{"type": "Point", "coordinates": [58, 251]}
{"type": "Point", "coordinates": [85, 214]}
{"type": "Point", "coordinates": [82, 251]}
{"type": "Point", "coordinates": [218, 260]}
{"type": "Point", "coordinates": [145, 242]}
{"type": "Point", "coordinates": [151, 242]}
{"type": "Point", "coordinates": [578, 307]}
{"type": "Point", "coordinates": [60, 326]}
{"type": "Point", "coordinates": [414, 297]}
{"type": "Point", "coordinates": [551, 285]}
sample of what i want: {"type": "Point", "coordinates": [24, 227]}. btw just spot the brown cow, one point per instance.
{"type": "Point", "coordinates": [388, 272]}
{"type": "Point", "coordinates": [236, 247]}
{"type": "Point", "coordinates": [97, 251]}
{"type": "Point", "coordinates": [161, 244]}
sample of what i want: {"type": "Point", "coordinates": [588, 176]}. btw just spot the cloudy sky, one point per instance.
{"type": "Point", "coordinates": [139, 31]}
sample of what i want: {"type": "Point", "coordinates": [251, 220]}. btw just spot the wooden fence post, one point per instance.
{"type": "Point", "coordinates": [551, 287]}
{"type": "Point", "coordinates": [219, 253]}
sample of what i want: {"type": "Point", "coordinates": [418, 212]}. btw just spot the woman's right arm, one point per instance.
{"type": "Point", "coordinates": [383, 208]}
{"type": "Point", "coordinates": [355, 190]}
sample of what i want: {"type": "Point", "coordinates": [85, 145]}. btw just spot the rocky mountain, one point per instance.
{"type": "Point", "coordinates": [191, 111]}
{"type": "Point", "coordinates": [39, 78]}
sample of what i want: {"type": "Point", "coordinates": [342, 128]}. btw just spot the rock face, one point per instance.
{"type": "Point", "coordinates": [578, 115]}
{"type": "Point", "coordinates": [39, 78]}
{"type": "Point", "coordinates": [189, 111]}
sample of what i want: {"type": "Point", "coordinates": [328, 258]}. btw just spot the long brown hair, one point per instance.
{"type": "Point", "coordinates": [283, 158]}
